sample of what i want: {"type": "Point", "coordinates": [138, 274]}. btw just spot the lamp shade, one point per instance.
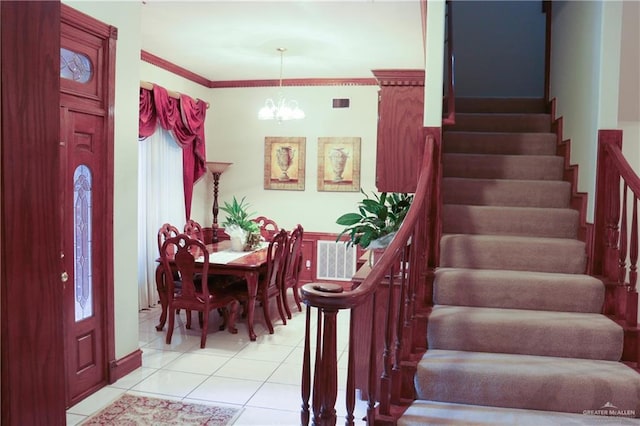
{"type": "Point", "coordinates": [217, 167]}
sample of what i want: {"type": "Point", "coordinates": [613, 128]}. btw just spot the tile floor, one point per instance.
{"type": "Point", "coordinates": [262, 378]}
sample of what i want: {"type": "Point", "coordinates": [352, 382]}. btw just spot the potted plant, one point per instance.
{"type": "Point", "coordinates": [243, 231]}
{"type": "Point", "coordinates": [375, 223]}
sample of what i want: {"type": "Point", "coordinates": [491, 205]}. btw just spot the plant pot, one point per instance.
{"type": "Point", "coordinates": [237, 243]}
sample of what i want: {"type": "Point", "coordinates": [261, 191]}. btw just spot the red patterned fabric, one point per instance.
{"type": "Point", "coordinates": [184, 118]}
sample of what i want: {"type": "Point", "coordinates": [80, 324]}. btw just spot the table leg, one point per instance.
{"type": "Point", "coordinates": [252, 288]}
{"type": "Point", "coordinates": [162, 294]}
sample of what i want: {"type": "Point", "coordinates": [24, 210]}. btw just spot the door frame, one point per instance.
{"type": "Point", "coordinates": [103, 98]}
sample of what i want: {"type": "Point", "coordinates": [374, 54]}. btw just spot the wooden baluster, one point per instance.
{"type": "Point", "coordinates": [330, 367]}
{"type": "Point", "coordinates": [633, 250]}
{"type": "Point", "coordinates": [612, 220]}
{"type": "Point", "coordinates": [351, 378]}
{"type": "Point", "coordinates": [306, 370]}
{"type": "Point", "coordinates": [371, 380]}
{"type": "Point", "coordinates": [622, 244]}
{"type": "Point", "coordinates": [622, 258]}
{"type": "Point", "coordinates": [385, 386]}
{"type": "Point", "coordinates": [632, 292]}
{"type": "Point", "coordinates": [396, 372]}
{"type": "Point", "coordinates": [317, 374]}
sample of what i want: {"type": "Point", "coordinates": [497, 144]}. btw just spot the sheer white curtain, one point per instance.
{"type": "Point", "coordinates": [160, 200]}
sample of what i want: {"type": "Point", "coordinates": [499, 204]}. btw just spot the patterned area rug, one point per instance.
{"type": "Point", "coordinates": [130, 410]}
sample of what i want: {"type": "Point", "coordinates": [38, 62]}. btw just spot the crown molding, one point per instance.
{"type": "Point", "coordinates": [296, 82]}
{"type": "Point", "coordinates": [185, 73]}
{"type": "Point", "coordinates": [173, 68]}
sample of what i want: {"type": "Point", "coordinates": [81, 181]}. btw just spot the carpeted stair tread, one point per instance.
{"type": "Point", "coordinates": [499, 192]}
{"type": "Point", "coordinates": [526, 332]}
{"type": "Point", "coordinates": [502, 122]}
{"type": "Point", "coordinates": [526, 381]}
{"type": "Point", "coordinates": [495, 220]}
{"type": "Point", "coordinates": [518, 290]}
{"type": "Point", "coordinates": [431, 413]}
{"type": "Point", "coordinates": [522, 167]}
{"type": "Point", "coordinates": [500, 143]}
{"type": "Point", "coordinates": [505, 105]}
{"type": "Point", "coordinates": [513, 253]}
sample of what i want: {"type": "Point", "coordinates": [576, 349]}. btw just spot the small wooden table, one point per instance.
{"type": "Point", "coordinates": [248, 266]}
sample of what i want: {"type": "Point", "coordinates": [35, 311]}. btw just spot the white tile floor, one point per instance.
{"type": "Point", "coordinates": [262, 378]}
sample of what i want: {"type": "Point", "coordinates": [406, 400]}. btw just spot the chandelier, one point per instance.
{"type": "Point", "coordinates": [280, 109]}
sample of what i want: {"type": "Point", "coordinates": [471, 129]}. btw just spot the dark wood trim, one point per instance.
{"type": "Point", "coordinates": [110, 95]}
{"type": "Point", "coordinates": [399, 77]}
{"type": "Point", "coordinates": [121, 367]}
{"type": "Point", "coordinates": [171, 67]}
{"type": "Point", "coordinates": [31, 332]}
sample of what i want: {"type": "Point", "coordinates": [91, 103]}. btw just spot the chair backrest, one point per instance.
{"type": "Point", "coordinates": [294, 256]}
{"type": "Point", "coordinates": [194, 230]}
{"type": "Point", "coordinates": [268, 227]}
{"type": "Point", "coordinates": [165, 232]}
{"type": "Point", "coordinates": [181, 252]}
{"type": "Point", "coordinates": [276, 258]}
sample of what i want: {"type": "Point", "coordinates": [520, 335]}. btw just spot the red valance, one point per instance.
{"type": "Point", "coordinates": [184, 118]}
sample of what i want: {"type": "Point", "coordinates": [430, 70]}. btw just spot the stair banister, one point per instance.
{"type": "Point", "coordinates": [615, 248]}
{"type": "Point", "coordinates": [329, 299]}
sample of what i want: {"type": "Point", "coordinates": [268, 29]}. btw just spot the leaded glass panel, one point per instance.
{"type": "Point", "coordinates": [75, 66]}
{"type": "Point", "coordinates": [82, 218]}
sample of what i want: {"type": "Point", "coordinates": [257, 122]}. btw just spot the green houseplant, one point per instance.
{"type": "Point", "coordinates": [376, 221]}
{"type": "Point", "coordinates": [244, 232]}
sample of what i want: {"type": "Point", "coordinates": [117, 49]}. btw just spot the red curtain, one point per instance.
{"type": "Point", "coordinates": [184, 118]}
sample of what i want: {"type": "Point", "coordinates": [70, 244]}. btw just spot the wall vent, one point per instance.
{"type": "Point", "coordinates": [335, 261]}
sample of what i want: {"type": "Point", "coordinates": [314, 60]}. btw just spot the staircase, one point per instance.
{"type": "Point", "coordinates": [515, 335]}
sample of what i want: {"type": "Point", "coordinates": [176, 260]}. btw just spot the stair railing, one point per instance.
{"type": "Point", "coordinates": [401, 275]}
{"type": "Point", "coordinates": [615, 242]}
{"type": "Point", "coordinates": [449, 115]}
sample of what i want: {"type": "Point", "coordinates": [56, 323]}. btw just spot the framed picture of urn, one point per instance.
{"type": "Point", "coordinates": [339, 164]}
{"type": "Point", "coordinates": [284, 159]}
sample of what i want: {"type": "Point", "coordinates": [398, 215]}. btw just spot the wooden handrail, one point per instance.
{"type": "Point", "coordinates": [400, 273]}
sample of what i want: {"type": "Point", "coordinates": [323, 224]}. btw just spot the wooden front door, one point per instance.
{"type": "Point", "coordinates": [86, 182]}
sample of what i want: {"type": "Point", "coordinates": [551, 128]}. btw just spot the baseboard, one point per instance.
{"type": "Point", "coordinates": [121, 367]}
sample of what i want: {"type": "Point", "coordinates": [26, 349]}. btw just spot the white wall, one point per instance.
{"type": "Point", "coordinates": [434, 57]}
{"type": "Point", "coordinates": [234, 134]}
{"type": "Point", "coordinates": [629, 100]}
{"type": "Point", "coordinates": [584, 79]}
{"type": "Point", "coordinates": [126, 17]}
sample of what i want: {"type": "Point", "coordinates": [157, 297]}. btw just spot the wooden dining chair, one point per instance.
{"type": "Point", "coordinates": [270, 282]}
{"type": "Point", "coordinates": [165, 232]}
{"type": "Point", "coordinates": [292, 268]}
{"type": "Point", "coordinates": [193, 294]}
{"type": "Point", "coordinates": [194, 230]}
{"type": "Point", "coordinates": [268, 227]}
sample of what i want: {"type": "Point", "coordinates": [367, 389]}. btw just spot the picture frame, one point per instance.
{"type": "Point", "coordinates": [339, 164]}
{"type": "Point", "coordinates": [284, 160]}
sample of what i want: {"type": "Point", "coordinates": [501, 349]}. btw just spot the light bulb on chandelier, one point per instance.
{"type": "Point", "coordinates": [281, 109]}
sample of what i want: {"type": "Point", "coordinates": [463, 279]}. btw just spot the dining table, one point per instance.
{"type": "Point", "coordinates": [224, 261]}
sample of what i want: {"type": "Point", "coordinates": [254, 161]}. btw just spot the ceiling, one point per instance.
{"type": "Point", "coordinates": [238, 40]}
